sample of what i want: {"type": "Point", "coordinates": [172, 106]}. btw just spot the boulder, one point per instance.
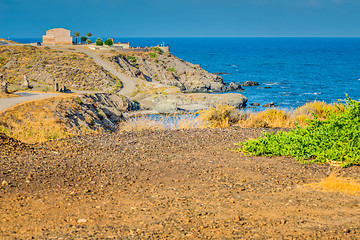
{"type": "Point", "coordinates": [269, 105]}
{"type": "Point", "coordinates": [166, 107]}
{"type": "Point", "coordinates": [234, 87]}
{"type": "Point", "coordinates": [255, 104]}
{"type": "Point", "coordinates": [250, 84]}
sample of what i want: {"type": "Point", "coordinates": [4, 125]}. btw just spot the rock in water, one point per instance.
{"type": "Point", "coordinates": [250, 84]}
{"type": "Point", "coordinates": [269, 105]}
{"type": "Point", "coordinates": [233, 86]}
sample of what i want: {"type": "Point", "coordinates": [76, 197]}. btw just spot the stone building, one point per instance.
{"type": "Point", "coordinates": [57, 36]}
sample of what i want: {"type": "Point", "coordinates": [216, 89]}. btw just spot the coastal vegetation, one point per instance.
{"type": "Point", "coordinates": [99, 42]}
{"type": "Point", "coordinates": [76, 35]}
{"type": "Point", "coordinates": [156, 50]}
{"type": "Point", "coordinates": [109, 42]}
{"type": "Point", "coordinates": [334, 139]}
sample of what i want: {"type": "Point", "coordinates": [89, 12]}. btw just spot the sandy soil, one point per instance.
{"type": "Point", "coordinates": [172, 184]}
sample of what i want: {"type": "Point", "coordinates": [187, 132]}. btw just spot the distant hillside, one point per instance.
{"type": "Point", "coordinates": [44, 67]}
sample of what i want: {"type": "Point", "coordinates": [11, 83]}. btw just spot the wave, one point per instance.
{"type": "Point", "coordinates": [273, 83]}
{"type": "Point", "coordinates": [315, 93]}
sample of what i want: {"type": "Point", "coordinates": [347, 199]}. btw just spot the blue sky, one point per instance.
{"type": "Point", "coordinates": [182, 18]}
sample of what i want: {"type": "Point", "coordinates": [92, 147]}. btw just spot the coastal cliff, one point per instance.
{"type": "Point", "coordinates": [169, 70]}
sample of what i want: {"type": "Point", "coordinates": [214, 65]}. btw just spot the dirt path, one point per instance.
{"type": "Point", "coordinates": [174, 184]}
{"type": "Point", "coordinates": [6, 103]}
{"type": "Point", "coordinates": [129, 84]}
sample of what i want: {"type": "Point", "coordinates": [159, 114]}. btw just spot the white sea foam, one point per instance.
{"type": "Point", "coordinates": [315, 93]}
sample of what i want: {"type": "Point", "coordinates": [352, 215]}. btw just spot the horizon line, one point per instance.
{"type": "Point", "coordinates": [9, 38]}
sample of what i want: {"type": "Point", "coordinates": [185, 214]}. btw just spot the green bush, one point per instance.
{"type": "Point", "coordinates": [99, 42]}
{"type": "Point", "coordinates": [156, 50]}
{"type": "Point", "coordinates": [152, 55]}
{"type": "Point", "coordinates": [109, 42]}
{"type": "Point", "coordinates": [172, 69]}
{"type": "Point", "coordinates": [333, 139]}
{"type": "Point", "coordinates": [132, 59]}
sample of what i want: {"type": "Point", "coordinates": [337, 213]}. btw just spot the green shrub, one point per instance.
{"type": "Point", "coordinates": [156, 50]}
{"type": "Point", "coordinates": [46, 48]}
{"type": "Point", "coordinates": [109, 42]}
{"type": "Point", "coordinates": [79, 101]}
{"type": "Point", "coordinates": [172, 70]}
{"type": "Point", "coordinates": [152, 55]}
{"type": "Point", "coordinates": [28, 66]}
{"type": "Point", "coordinates": [334, 139]}
{"type": "Point", "coordinates": [99, 42]}
{"type": "Point", "coordinates": [132, 59]}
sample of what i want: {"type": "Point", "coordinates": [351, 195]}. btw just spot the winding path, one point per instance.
{"type": "Point", "coordinates": [6, 103]}
{"type": "Point", "coordinates": [129, 84]}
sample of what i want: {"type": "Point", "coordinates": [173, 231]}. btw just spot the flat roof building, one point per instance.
{"type": "Point", "coordinates": [57, 36]}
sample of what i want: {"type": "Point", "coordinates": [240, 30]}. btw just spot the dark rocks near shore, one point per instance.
{"type": "Point", "coordinates": [269, 105]}
{"type": "Point", "coordinates": [255, 104]}
{"type": "Point", "coordinates": [250, 84]}
{"type": "Point", "coordinates": [233, 86]}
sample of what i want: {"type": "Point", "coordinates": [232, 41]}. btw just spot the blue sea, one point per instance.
{"type": "Point", "coordinates": [297, 70]}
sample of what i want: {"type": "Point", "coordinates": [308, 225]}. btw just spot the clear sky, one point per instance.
{"type": "Point", "coordinates": [182, 18]}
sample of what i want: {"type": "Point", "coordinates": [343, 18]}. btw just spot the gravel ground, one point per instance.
{"type": "Point", "coordinates": [171, 184]}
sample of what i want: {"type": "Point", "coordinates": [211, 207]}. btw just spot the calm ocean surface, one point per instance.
{"type": "Point", "coordinates": [297, 70]}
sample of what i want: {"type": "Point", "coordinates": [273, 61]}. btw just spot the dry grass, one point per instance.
{"type": "Point", "coordinates": [141, 124]}
{"type": "Point", "coordinates": [149, 123]}
{"type": "Point", "coordinates": [33, 122]}
{"type": "Point", "coordinates": [8, 95]}
{"type": "Point", "coordinates": [270, 118]}
{"type": "Point", "coordinates": [338, 183]}
{"type": "Point", "coordinates": [222, 115]}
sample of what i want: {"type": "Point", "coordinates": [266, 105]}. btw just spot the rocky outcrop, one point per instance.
{"type": "Point", "coordinates": [234, 87]}
{"type": "Point", "coordinates": [250, 84]}
{"type": "Point", "coordinates": [189, 102]}
{"type": "Point", "coordinates": [269, 105]}
{"type": "Point", "coordinates": [171, 71]}
{"type": "Point", "coordinates": [99, 111]}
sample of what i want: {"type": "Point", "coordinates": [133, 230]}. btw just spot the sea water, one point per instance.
{"type": "Point", "coordinates": [290, 71]}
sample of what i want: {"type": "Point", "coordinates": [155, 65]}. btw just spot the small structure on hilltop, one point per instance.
{"type": "Point", "coordinates": [3, 85]}
{"type": "Point", "coordinates": [57, 36]}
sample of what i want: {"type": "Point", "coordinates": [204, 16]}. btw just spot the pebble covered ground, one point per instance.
{"type": "Point", "coordinates": [171, 184]}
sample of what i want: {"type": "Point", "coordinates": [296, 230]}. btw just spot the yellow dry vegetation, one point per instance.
{"type": "Point", "coordinates": [270, 118]}
{"type": "Point", "coordinates": [141, 124]}
{"type": "Point", "coordinates": [274, 117]}
{"type": "Point", "coordinates": [338, 183]}
{"type": "Point", "coordinates": [173, 121]}
{"type": "Point", "coordinates": [222, 115]}
{"type": "Point", "coordinates": [8, 95]}
{"type": "Point", "coordinates": [33, 122]}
